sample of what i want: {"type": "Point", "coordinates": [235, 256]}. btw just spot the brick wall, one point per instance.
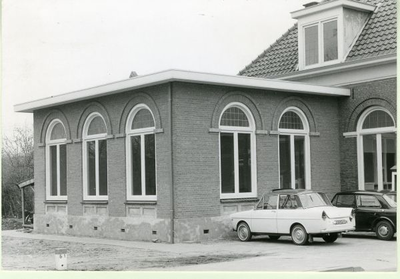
{"type": "Point", "coordinates": [377, 93]}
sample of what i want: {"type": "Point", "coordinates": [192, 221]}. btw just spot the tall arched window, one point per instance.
{"type": "Point", "coordinates": [294, 154]}
{"type": "Point", "coordinates": [376, 139]}
{"type": "Point", "coordinates": [141, 157]}
{"type": "Point", "coordinates": [237, 152]}
{"type": "Point", "coordinates": [95, 158]}
{"type": "Point", "coordinates": [56, 161]}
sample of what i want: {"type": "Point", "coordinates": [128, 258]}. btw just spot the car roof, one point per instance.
{"type": "Point", "coordinates": [292, 191]}
{"type": "Point", "coordinates": [360, 192]}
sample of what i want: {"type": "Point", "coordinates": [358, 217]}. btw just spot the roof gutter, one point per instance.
{"type": "Point", "coordinates": [346, 66]}
{"type": "Point", "coordinates": [182, 76]}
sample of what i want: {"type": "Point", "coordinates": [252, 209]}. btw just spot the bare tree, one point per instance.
{"type": "Point", "coordinates": [17, 166]}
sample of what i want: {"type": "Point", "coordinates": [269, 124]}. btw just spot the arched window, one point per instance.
{"type": "Point", "coordinates": [294, 154]}
{"type": "Point", "coordinates": [141, 157]}
{"type": "Point", "coordinates": [237, 152]}
{"type": "Point", "coordinates": [376, 139]}
{"type": "Point", "coordinates": [95, 158]}
{"type": "Point", "coordinates": [56, 161]}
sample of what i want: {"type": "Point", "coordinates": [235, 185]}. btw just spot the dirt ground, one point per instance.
{"type": "Point", "coordinates": [35, 254]}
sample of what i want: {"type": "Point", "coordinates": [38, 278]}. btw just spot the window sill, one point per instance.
{"type": "Point", "coordinates": [55, 202]}
{"type": "Point", "coordinates": [141, 202]}
{"type": "Point", "coordinates": [236, 200]}
{"type": "Point", "coordinates": [94, 202]}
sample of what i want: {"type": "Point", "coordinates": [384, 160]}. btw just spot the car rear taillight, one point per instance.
{"type": "Point", "coordinates": [324, 216]}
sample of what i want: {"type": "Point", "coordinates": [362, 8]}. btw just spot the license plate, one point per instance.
{"type": "Point", "coordinates": [339, 222]}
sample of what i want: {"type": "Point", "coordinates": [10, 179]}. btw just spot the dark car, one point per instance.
{"type": "Point", "coordinates": [374, 211]}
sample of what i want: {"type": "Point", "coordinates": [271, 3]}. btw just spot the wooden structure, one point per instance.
{"type": "Point", "coordinates": [22, 186]}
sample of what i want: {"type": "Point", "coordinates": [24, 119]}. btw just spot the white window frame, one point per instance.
{"type": "Point", "coordinates": [302, 43]}
{"type": "Point", "coordinates": [56, 143]}
{"type": "Point", "coordinates": [305, 132]}
{"type": "Point", "coordinates": [138, 132]}
{"type": "Point", "coordinates": [235, 131]}
{"type": "Point", "coordinates": [360, 145]}
{"type": "Point", "coordinates": [96, 138]}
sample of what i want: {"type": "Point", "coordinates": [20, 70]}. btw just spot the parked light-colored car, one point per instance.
{"type": "Point", "coordinates": [299, 213]}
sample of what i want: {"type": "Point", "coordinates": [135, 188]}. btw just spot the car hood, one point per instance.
{"type": "Point", "coordinates": [242, 214]}
{"type": "Point", "coordinates": [336, 212]}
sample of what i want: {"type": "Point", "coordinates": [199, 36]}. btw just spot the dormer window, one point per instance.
{"type": "Point", "coordinates": [327, 31]}
{"type": "Point", "coordinates": [321, 42]}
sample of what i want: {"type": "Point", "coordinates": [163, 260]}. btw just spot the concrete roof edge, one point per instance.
{"type": "Point", "coordinates": [183, 76]}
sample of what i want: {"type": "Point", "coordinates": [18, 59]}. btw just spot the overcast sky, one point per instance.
{"type": "Point", "coordinates": [57, 46]}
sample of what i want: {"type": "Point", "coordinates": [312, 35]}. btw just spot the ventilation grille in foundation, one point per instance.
{"type": "Point", "coordinates": [95, 228]}
{"type": "Point", "coordinates": [154, 232]}
{"type": "Point", "coordinates": [206, 231]}
{"type": "Point", "coordinates": [122, 230]}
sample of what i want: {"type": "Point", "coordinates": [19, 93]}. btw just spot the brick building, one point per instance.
{"type": "Point", "coordinates": [170, 155]}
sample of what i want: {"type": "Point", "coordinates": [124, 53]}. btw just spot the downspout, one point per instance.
{"type": "Point", "coordinates": [171, 176]}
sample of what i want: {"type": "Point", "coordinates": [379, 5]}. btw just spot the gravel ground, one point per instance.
{"type": "Point", "coordinates": [38, 254]}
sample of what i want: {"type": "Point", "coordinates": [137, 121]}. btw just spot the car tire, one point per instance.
{"type": "Point", "coordinates": [384, 230]}
{"type": "Point", "coordinates": [299, 235]}
{"type": "Point", "coordinates": [274, 237]}
{"type": "Point", "coordinates": [244, 232]}
{"type": "Point", "coordinates": [330, 238]}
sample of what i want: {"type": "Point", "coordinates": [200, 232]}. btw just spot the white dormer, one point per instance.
{"type": "Point", "coordinates": [328, 30]}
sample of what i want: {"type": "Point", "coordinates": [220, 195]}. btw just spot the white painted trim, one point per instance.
{"type": "Point", "coordinates": [331, 5]}
{"type": "Point", "coordinates": [360, 133]}
{"type": "Point", "coordinates": [346, 66]}
{"type": "Point", "coordinates": [140, 133]}
{"type": "Point", "coordinates": [307, 148]}
{"type": "Point", "coordinates": [95, 138]}
{"type": "Point", "coordinates": [183, 76]}
{"type": "Point", "coordinates": [57, 144]}
{"type": "Point", "coordinates": [235, 131]}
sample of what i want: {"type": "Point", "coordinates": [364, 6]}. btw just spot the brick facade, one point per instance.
{"type": "Point", "coordinates": [198, 207]}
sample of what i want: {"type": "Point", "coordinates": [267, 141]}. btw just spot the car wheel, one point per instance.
{"type": "Point", "coordinates": [244, 232]}
{"type": "Point", "coordinates": [274, 237]}
{"type": "Point", "coordinates": [299, 235]}
{"type": "Point", "coordinates": [384, 230]}
{"type": "Point", "coordinates": [330, 238]}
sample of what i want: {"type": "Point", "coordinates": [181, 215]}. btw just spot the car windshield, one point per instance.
{"type": "Point", "coordinates": [314, 199]}
{"type": "Point", "coordinates": [391, 199]}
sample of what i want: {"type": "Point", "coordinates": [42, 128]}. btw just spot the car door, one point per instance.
{"type": "Point", "coordinates": [264, 217]}
{"type": "Point", "coordinates": [288, 212]}
{"type": "Point", "coordinates": [367, 207]}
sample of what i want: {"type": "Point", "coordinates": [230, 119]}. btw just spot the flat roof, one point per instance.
{"type": "Point", "coordinates": [181, 76]}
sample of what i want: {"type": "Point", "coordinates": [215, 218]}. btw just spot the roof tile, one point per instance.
{"type": "Point", "coordinates": [379, 37]}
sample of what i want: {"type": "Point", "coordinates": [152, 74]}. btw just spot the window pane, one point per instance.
{"type": "Point", "coordinates": [150, 165]}
{"type": "Point", "coordinates": [311, 45]}
{"type": "Point", "coordinates": [299, 162]}
{"type": "Point", "coordinates": [291, 120]}
{"type": "Point", "coordinates": [234, 117]}
{"type": "Point", "coordinates": [368, 201]}
{"type": "Point", "coordinates": [53, 170]}
{"type": "Point", "coordinates": [97, 126]}
{"type": "Point", "coordinates": [284, 162]}
{"type": "Point", "coordinates": [271, 202]}
{"type": "Point", "coordinates": [227, 163]}
{"type": "Point", "coordinates": [57, 132]}
{"type": "Point", "coordinates": [136, 165]}
{"type": "Point", "coordinates": [345, 201]}
{"type": "Point", "coordinates": [63, 170]}
{"type": "Point", "coordinates": [370, 162]}
{"type": "Point", "coordinates": [377, 119]}
{"type": "Point", "coordinates": [103, 167]}
{"type": "Point", "coordinates": [143, 119]}
{"type": "Point", "coordinates": [388, 159]}
{"type": "Point", "coordinates": [330, 41]}
{"type": "Point", "coordinates": [244, 163]}
{"type": "Point", "coordinates": [91, 166]}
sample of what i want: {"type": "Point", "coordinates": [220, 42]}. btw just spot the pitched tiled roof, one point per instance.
{"type": "Point", "coordinates": [377, 38]}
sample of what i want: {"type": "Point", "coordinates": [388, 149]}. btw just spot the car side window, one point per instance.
{"type": "Point", "coordinates": [368, 201]}
{"type": "Point", "coordinates": [345, 201]}
{"type": "Point", "coordinates": [270, 202]}
{"type": "Point", "coordinates": [288, 202]}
